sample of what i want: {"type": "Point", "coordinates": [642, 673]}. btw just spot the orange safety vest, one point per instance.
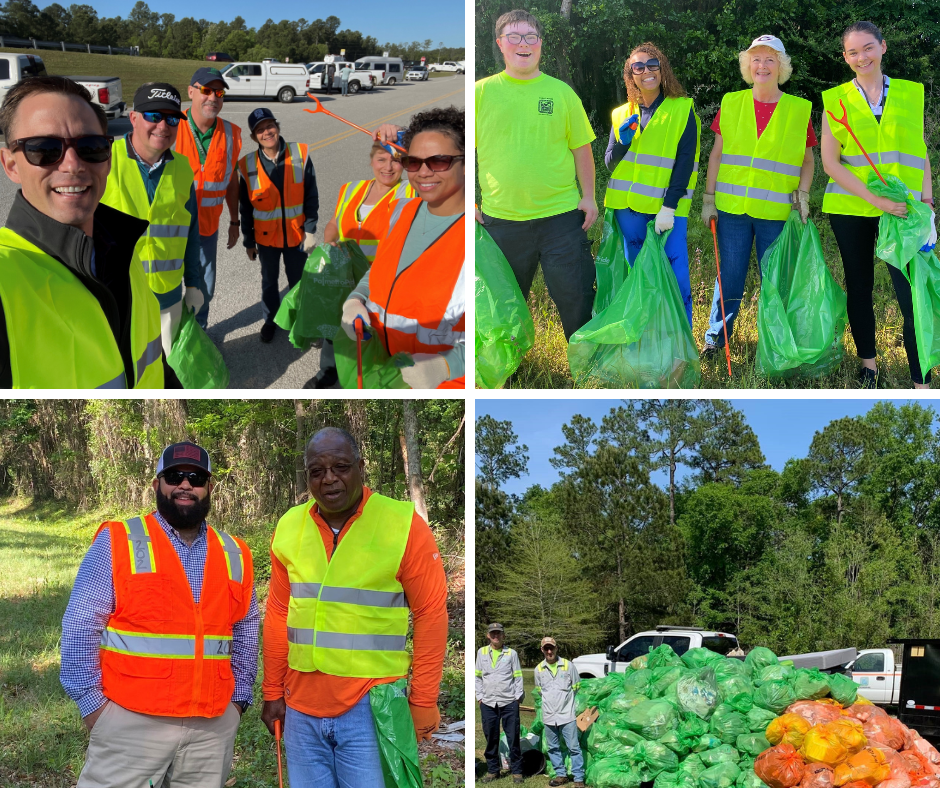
{"type": "Point", "coordinates": [374, 228]}
{"type": "Point", "coordinates": [162, 654]}
{"type": "Point", "coordinates": [213, 177]}
{"type": "Point", "coordinates": [420, 310]}
{"type": "Point", "coordinates": [273, 210]}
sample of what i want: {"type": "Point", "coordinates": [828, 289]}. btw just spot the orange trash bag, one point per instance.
{"type": "Point", "coordinates": [927, 781]}
{"type": "Point", "coordinates": [882, 729]}
{"type": "Point", "coordinates": [915, 762]}
{"type": "Point", "coordinates": [823, 745]}
{"type": "Point", "coordinates": [850, 733]}
{"type": "Point", "coordinates": [817, 775]}
{"type": "Point", "coordinates": [868, 765]}
{"type": "Point", "coordinates": [814, 712]}
{"type": "Point", "coordinates": [863, 711]}
{"type": "Point", "coordinates": [789, 729]}
{"type": "Point", "coordinates": [780, 766]}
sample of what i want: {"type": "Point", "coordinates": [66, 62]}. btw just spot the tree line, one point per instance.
{"type": "Point", "coordinates": [162, 35]}
{"type": "Point", "coordinates": [840, 548]}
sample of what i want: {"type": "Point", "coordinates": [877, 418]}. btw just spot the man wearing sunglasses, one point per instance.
{"type": "Point", "coordinates": [346, 569]}
{"type": "Point", "coordinates": [75, 312]}
{"type": "Point", "coordinates": [160, 638]}
{"type": "Point", "coordinates": [213, 147]}
{"type": "Point", "coordinates": [169, 251]}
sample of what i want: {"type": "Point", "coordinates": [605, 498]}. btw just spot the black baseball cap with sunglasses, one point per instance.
{"type": "Point", "coordinates": [180, 454]}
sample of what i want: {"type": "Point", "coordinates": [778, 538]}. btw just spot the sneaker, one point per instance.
{"type": "Point", "coordinates": [324, 379]}
{"type": "Point", "coordinates": [490, 777]}
{"type": "Point", "coordinates": [710, 350]}
{"type": "Point", "coordinates": [867, 378]}
{"type": "Point", "coordinates": [267, 332]}
{"type": "Point", "coordinates": [558, 781]}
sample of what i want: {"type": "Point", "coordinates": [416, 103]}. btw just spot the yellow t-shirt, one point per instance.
{"type": "Point", "coordinates": [525, 132]}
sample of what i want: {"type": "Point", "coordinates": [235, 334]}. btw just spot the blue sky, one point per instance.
{"type": "Point", "coordinates": [389, 22]}
{"type": "Point", "coordinates": [785, 428]}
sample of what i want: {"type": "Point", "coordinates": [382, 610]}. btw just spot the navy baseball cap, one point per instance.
{"type": "Point", "coordinates": [206, 75]}
{"type": "Point", "coordinates": [260, 114]}
{"type": "Point", "coordinates": [184, 454]}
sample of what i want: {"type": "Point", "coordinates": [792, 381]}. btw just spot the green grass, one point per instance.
{"type": "Point", "coordinates": [42, 740]}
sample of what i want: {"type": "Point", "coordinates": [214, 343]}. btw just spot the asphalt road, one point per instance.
{"type": "Point", "coordinates": [340, 154]}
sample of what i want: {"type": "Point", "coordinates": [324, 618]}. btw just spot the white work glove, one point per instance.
{"type": "Point", "coordinates": [709, 211]}
{"type": "Point", "coordinates": [352, 309]}
{"type": "Point", "coordinates": [309, 242]}
{"type": "Point", "coordinates": [665, 219]}
{"type": "Point", "coordinates": [800, 201]}
{"type": "Point", "coordinates": [428, 372]}
{"type": "Point", "coordinates": [194, 299]}
{"type": "Point", "coordinates": [932, 239]}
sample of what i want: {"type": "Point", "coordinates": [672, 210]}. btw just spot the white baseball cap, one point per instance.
{"type": "Point", "coordinates": [768, 41]}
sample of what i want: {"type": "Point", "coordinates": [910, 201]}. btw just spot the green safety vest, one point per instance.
{"type": "Point", "coordinates": [347, 616]}
{"type": "Point", "coordinates": [896, 144]}
{"type": "Point", "coordinates": [161, 249]}
{"type": "Point", "coordinates": [59, 335]}
{"type": "Point", "coordinates": [640, 180]}
{"type": "Point", "coordinates": [758, 175]}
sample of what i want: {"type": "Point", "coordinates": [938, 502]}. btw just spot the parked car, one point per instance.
{"type": "Point", "coordinates": [393, 67]}
{"type": "Point", "coordinates": [282, 81]}
{"type": "Point", "coordinates": [360, 80]}
{"type": "Point", "coordinates": [220, 57]}
{"type": "Point", "coordinates": [878, 675]}
{"type": "Point", "coordinates": [448, 65]}
{"type": "Point", "coordinates": [419, 73]}
{"type": "Point", "coordinates": [13, 68]}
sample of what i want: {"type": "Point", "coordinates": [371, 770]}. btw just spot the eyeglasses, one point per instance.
{"type": "Point", "coordinates": [196, 478]}
{"type": "Point", "coordinates": [517, 38]}
{"type": "Point", "coordinates": [649, 65]}
{"type": "Point", "coordinates": [156, 117]}
{"type": "Point", "coordinates": [338, 470]}
{"type": "Point", "coordinates": [209, 91]}
{"type": "Point", "coordinates": [439, 163]}
{"type": "Point", "coordinates": [46, 151]}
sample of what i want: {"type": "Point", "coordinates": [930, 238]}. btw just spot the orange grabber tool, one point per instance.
{"type": "Point", "coordinates": [721, 294]}
{"type": "Point", "coordinates": [359, 324]}
{"type": "Point", "coordinates": [277, 739]}
{"type": "Point", "coordinates": [320, 108]}
{"type": "Point", "coordinates": [844, 121]}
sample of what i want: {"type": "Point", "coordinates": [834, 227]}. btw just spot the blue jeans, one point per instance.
{"type": "Point", "coordinates": [633, 226]}
{"type": "Point", "coordinates": [570, 733]}
{"type": "Point", "coordinates": [270, 259]}
{"type": "Point", "coordinates": [736, 234]}
{"type": "Point", "coordinates": [345, 84]}
{"type": "Point", "coordinates": [208, 253]}
{"type": "Point", "coordinates": [333, 752]}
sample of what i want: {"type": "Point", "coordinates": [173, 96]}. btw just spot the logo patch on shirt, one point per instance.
{"type": "Point", "coordinates": [546, 106]}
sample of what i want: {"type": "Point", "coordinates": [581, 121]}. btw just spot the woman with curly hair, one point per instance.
{"type": "Point", "coordinates": [413, 297]}
{"type": "Point", "coordinates": [653, 157]}
{"type": "Point", "coordinates": [760, 168]}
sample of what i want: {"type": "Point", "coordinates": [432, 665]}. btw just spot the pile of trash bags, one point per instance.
{"type": "Point", "coordinates": [707, 721]}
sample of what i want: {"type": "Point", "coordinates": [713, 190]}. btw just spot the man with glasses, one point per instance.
{"type": "Point", "coordinates": [160, 638]}
{"type": "Point", "coordinates": [75, 312]}
{"type": "Point", "coordinates": [533, 143]}
{"type": "Point", "coordinates": [213, 147]}
{"type": "Point", "coordinates": [346, 568]}
{"type": "Point", "coordinates": [558, 681]}
{"type": "Point", "coordinates": [169, 251]}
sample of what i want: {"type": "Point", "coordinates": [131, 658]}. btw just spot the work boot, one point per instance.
{"type": "Point", "coordinates": [490, 777]}
{"type": "Point", "coordinates": [267, 332]}
{"type": "Point", "coordinates": [517, 778]}
{"type": "Point", "coordinates": [556, 781]}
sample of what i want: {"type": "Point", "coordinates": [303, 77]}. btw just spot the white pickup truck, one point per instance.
{"type": "Point", "coordinates": [448, 65]}
{"type": "Point", "coordinates": [361, 79]}
{"type": "Point", "coordinates": [878, 675]}
{"type": "Point", "coordinates": [105, 91]}
{"type": "Point", "coordinates": [282, 81]}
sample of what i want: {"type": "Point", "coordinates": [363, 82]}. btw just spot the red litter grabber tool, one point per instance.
{"type": "Point", "coordinates": [277, 739]}
{"type": "Point", "coordinates": [347, 122]}
{"type": "Point", "coordinates": [844, 121]}
{"type": "Point", "coordinates": [721, 295]}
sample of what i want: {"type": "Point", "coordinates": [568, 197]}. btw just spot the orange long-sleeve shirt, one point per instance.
{"type": "Point", "coordinates": [421, 574]}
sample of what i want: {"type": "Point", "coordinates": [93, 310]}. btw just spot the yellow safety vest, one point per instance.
{"type": "Point", "coordinates": [896, 144]}
{"type": "Point", "coordinates": [59, 336]}
{"type": "Point", "coordinates": [640, 180]}
{"type": "Point", "coordinates": [161, 249]}
{"type": "Point", "coordinates": [758, 175]}
{"type": "Point", "coordinates": [367, 233]}
{"type": "Point", "coordinates": [347, 616]}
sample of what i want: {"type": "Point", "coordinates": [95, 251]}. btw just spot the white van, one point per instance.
{"type": "Point", "coordinates": [282, 81]}
{"type": "Point", "coordinates": [393, 67]}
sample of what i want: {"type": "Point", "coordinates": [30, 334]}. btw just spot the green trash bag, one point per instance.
{"type": "Point", "coordinates": [314, 306]}
{"type": "Point", "coordinates": [638, 680]}
{"type": "Point", "coordinates": [666, 780]}
{"type": "Point", "coordinates": [700, 657]}
{"type": "Point", "coordinates": [625, 737]}
{"type": "Point", "coordinates": [748, 779]}
{"type": "Point", "coordinates": [651, 719]}
{"type": "Point", "coordinates": [692, 766]}
{"type": "Point", "coordinates": [622, 702]}
{"type": "Point", "coordinates": [664, 677]}
{"type": "Point", "coordinates": [194, 357]}
{"type": "Point", "coordinates": [538, 727]}
{"type": "Point", "coordinates": [395, 730]}
{"type": "Point", "coordinates": [674, 742]}
{"type": "Point", "coordinates": [723, 754]}
{"type": "Point", "coordinates": [504, 330]}
{"type": "Point", "coordinates": [752, 744]}
{"type": "Point", "coordinates": [650, 758]}
{"type": "Point", "coordinates": [801, 313]}
{"type": "Point", "coordinates": [612, 773]}
{"type": "Point", "coordinates": [925, 288]}
{"type": "Point", "coordinates": [697, 693]}
{"type": "Point", "coordinates": [774, 695]}
{"type": "Point", "coordinates": [727, 724]}
{"type": "Point", "coordinates": [758, 658]}
{"type": "Point", "coordinates": [721, 775]}
{"type": "Point", "coordinates": [758, 719]}
{"type": "Point", "coordinates": [690, 729]}
{"type": "Point", "coordinates": [842, 689]}
{"type": "Point", "coordinates": [810, 684]}
{"type": "Point", "coordinates": [728, 667]}
{"type": "Point", "coordinates": [735, 692]}
{"type": "Point", "coordinates": [662, 656]}
{"type": "Point", "coordinates": [708, 741]}
{"type": "Point", "coordinates": [643, 339]}
{"type": "Point", "coordinates": [610, 264]}
{"type": "Point", "coordinates": [378, 370]}
{"type": "Point", "coordinates": [778, 672]}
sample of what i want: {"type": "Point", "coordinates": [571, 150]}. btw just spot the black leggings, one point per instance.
{"type": "Point", "coordinates": [856, 237]}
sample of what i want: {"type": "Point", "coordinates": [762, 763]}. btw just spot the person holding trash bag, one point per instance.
{"type": "Point", "coordinates": [653, 158]}
{"type": "Point", "coordinates": [559, 681]}
{"type": "Point", "coordinates": [347, 569]}
{"type": "Point", "coordinates": [887, 117]}
{"type": "Point", "coordinates": [413, 298]}
{"type": "Point", "coordinates": [760, 168]}
{"type": "Point", "coordinates": [499, 691]}
{"type": "Point", "coordinates": [278, 204]}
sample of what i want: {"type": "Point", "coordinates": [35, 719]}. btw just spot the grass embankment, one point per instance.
{"type": "Point", "coordinates": [42, 740]}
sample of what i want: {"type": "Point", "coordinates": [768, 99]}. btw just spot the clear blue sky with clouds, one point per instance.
{"type": "Point", "coordinates": [785, 428]}
{"type": "Point", "coordinates": [389, 22]}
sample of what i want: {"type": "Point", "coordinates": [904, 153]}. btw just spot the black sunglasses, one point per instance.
{"type": "Point", "coordinates": [439, 163]}
{"type": "Point", "coordinates": [649, 65]}
{"type": "Point", "coordinates": [156, 117]}
{"type": "Point", "coordinates": [46, 151]}
{"type": "Point", "coordinates": [195, 478]}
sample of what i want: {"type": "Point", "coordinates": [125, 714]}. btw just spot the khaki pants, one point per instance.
{"type": "Point", "coordinates": [128, 750]}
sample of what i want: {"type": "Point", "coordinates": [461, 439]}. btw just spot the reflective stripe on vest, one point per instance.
{"type": "Point", "coordinates": [234, 559]}
{"type": "Point", "coordinates": [269, 215]}
{"type": "Point", "coordinates": [757, 175]}
{"type": "Point", "coordinates": [895, 144]}
{"type": "Point", "coordinates": [141, 550]}
{"type": "Point", "coordinates": [641, 179]}
{"type": "Point", "coordinates": [367, 233]}
{"type": "Point", "coordinates": [214, 175]}
{"type": "Point", "coordinates": [167, 646]}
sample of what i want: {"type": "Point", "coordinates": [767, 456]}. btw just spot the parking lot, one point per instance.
{"type": "Point", "coordinates": [340, 154]}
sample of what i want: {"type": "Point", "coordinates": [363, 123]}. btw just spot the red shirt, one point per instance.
{"type": "Point", "coordinates": [764, 112]}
